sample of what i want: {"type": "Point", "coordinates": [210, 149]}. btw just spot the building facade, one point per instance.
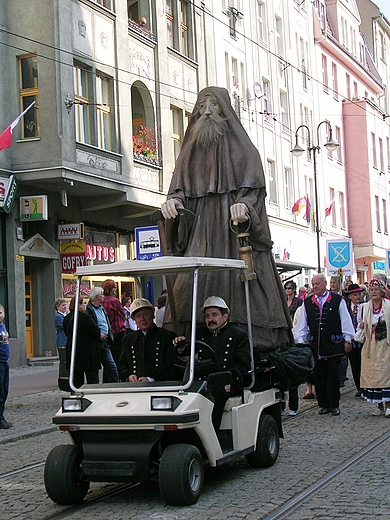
{"type": "Point", "coordinates": [114, 83]}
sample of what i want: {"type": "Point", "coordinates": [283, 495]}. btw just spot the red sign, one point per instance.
{"type": "Point", "coordinates": [71, 261]}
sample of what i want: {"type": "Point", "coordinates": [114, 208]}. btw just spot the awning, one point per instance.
{"type": "Point", "coordinates": [285, 266]}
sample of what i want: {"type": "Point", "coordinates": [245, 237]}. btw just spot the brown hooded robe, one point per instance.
{"type": "Point", "coordinates": [208, 182]}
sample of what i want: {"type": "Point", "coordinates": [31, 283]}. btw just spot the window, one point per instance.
{"type": "Point", "coordinates": [338, 149]}
{"type": "Point", "coordinates": [267, 107]}
{"type": "Point", "coordinates": [28, 92]}
{"type": "Point", "coordinates": [335, 85]}
{"type": "Point", "coordinates": [348, 83]}
{"type": "Point", "coordinates": [325, 73]}
{"type": "Point", "coordinates": [83, 98]}
{"type": "Point", "coordinates": [179, 31]}
{"type": "Point", "coordinates": [377, 214]}
{"type": "Point", "coordinates": [279, 36]}
{"type": "Point", "coordinates": [342, 210]}
{"type": "Point", "coordinates": [288, 188]}
{"type": "Point", "coordinates": [272, 184]}
{"type": "Point", "coordinates": [285, 119]}
{"type": "Point", "coordinates": [93, 107]}
{"type": "Point", "coordinates": [373, 144]}
{"type": "Point", "coordinates": [105, 3]}
{"type": "Point", "coordinates": [179, 125]}
{"type": "Point", "coordinates": [332, 197]}
{"type": "Point", "coordinates": [384, 211]}
{"type": "Point", "coordinates": [304, 62]}
{"type": "Point", "coordinates": [261, 21]}
{"type": "Point", "coordinates": [381, 162]}
{"type": "Point", "coordinates": [104, 100]}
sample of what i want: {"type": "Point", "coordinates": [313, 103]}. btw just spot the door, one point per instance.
{"type": "Point", "coordinates": [28, 306]}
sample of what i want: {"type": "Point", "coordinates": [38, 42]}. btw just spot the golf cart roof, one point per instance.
{"type": "Point", "coordinates": [160, 266]}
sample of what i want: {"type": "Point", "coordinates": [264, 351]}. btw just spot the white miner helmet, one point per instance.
{"type": "Point", "coordinates": [140, 303]}
{"type": "Point", "coordinates": [215, 301]}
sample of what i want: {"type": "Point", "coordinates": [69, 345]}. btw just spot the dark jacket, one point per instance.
{"type": "Point", "coordinates": [325, 328]}
{"type": "Point", "coordinates": [148, 355]}
{"type": "Point", "coordinates": [90, 310]}
{"type": "Point", "coordinates": [231, 346]}
{"type": "Point", "coordinates": [87, 342]}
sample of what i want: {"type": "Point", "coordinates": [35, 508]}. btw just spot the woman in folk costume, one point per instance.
{"type": "Point", "coordinates": [375, 370]}
{"type": "Point", "coordinates": [219, 177]}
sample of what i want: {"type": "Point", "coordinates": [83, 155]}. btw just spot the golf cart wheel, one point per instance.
{"type": "Point", "coordinates": [64, 480]}
{"type": "Point", "coordinates": [181, 475]}
{"type": "Point", "coordinates": [267, 445]}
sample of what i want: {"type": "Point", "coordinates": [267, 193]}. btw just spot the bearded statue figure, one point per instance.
{"type": "Point", "coordinates": [219, 177]}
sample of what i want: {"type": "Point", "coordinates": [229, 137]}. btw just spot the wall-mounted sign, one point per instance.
{"type": "Point", "coordinates": [147, 241]}
{"type": "Point", "coordinates": [8, 186]}
{"type": "Point", "coordinates": [73, 255]}
{"type": "Point", "coordinates": [100, 246]}
{"type": "Point", "coordinates": [70, 231]}
{"type": "Point", "coordinates": [33, 208]}
{"type": "Point", "coordinates": [339, 257]}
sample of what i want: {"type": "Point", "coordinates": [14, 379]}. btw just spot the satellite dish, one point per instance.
{"type": "Point", "coordinates": [258, 90]}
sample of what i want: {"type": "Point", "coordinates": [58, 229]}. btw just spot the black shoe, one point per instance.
{"type": "Point", "coordinates": [358, 394]}
{"type": "Point", "coordinates": [323, 411]}
{"type": "Point", "coordinates": [4, 425]}
{"type": "Point", "coordinates": [335, 411]}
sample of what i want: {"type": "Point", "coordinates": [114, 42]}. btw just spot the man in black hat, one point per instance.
{"type": "Point", "coordinates": [354, 293]}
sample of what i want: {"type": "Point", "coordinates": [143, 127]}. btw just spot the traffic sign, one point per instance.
{"type": "Point", "coordinates": [339, 257]}
{"type": "Point", "coordinates": [147, 243]}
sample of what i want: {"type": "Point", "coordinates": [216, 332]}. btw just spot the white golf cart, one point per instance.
{"type": "Point", "coordinates": [124, 431]}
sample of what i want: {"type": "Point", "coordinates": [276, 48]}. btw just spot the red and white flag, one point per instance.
{"type": "Point", "coordinates": [328, 210]}
{"type": "Point", "coordinates": [6, 136]}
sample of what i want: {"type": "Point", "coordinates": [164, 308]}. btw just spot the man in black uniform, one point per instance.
{"type": "Point", "coordinates": [231, 346]}
{"type": "Point", "coordinates": [147, 353]}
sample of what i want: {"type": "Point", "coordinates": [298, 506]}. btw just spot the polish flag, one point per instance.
{"type": "Point", "coordinates": [328, 210]}
{"type": "Point", "coordinates": [6, 136]}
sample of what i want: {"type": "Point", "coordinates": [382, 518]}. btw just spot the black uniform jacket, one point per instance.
{"type": "Point", "coordinates": [231, 346]}
{"type": "Point", "coordinates": [148, 355]}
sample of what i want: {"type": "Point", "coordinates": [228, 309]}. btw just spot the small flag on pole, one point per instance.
{"type": "Point", "coordinates": [299, 205]}
{"type": "Point", "coordinates": [308, 212]}
{"type": "Point", "coordinates": [6, 136]}
{"type": "Point", "coordinates": [328, 210]}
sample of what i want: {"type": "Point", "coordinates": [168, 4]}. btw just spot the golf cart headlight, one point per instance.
{"type": "Point", "coordinates": [165, 403]}
{"type": "Point", "coordinates": [75, 404]}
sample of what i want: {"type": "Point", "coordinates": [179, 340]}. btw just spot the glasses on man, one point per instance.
{"type": "Point", "coordinates": [289, 288]}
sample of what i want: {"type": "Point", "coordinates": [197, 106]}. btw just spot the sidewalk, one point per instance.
{"type": "Point", "coordinates": [33, 400]}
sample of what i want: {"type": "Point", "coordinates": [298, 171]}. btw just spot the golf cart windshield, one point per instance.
{"type": "Point", "coordinates": [165, 265]}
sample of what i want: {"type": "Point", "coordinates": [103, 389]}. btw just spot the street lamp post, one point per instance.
{"type": "Point", "coordinates": [313, 149]}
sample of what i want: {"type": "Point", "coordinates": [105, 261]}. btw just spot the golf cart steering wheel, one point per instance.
{"type": "Point", "coordinates": [205, 357]}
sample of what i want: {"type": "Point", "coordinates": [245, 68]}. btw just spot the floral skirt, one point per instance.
{"type": "Point", "coordinates": [376, 395]}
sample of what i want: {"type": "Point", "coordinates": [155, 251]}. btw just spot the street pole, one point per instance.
{"type": "Point", "coordinates": [317, 226]}
{"type": "Point", "coordinates": [331, 145]}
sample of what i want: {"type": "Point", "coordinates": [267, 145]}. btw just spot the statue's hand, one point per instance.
{"type": "Point", "coordinates": [239, 213]}
{"type": "Point", "coordinates": [170, 207]}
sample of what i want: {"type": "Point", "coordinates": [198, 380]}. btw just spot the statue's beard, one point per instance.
{"type": "Point", "coordinates": [208, 130]}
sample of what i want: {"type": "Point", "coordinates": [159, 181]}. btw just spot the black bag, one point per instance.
{"type": "Point", "coordinates": [293, 365]}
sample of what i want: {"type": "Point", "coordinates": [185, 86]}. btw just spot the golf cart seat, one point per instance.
{"type": "Point", "coordinates": [237, 400]}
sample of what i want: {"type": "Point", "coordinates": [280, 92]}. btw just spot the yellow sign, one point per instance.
{"type": "Point", "coordinates": [67, 248]}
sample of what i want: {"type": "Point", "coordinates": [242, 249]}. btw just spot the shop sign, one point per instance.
{"type": "Point", "coordinates": [33, 208]}
{"type": "Point", "coordinates": [69, 289]}
{"type": "Point", "coordinates": [73, 255]}
{"type": "Point", "coordinates": [70, 231]}
{"type": "Point", "coordinates": [100, 246]}
{"type": "Point", "coordinates": [8, 188]}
